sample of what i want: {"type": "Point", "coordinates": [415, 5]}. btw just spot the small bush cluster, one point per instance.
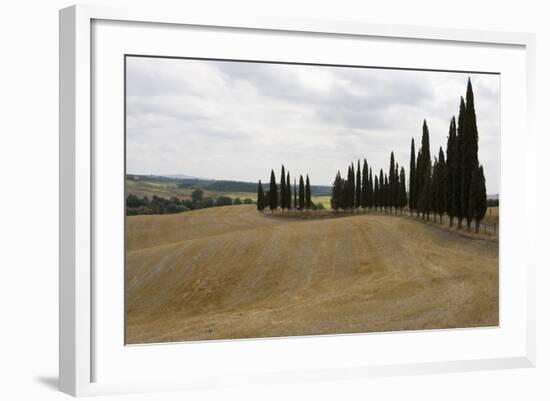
{"type": "Point", "coordinates": [158, 205]}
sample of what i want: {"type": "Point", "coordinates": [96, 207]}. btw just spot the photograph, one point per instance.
{"type": "Point", "coordinates": [274, 199]}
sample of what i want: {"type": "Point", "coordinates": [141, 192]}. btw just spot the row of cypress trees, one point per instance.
{"type": "Point", "coordinates": [455, 183]}
{"type": "Point", "coordinates": [282, 196]}
{"type": "Point", "coordinates": [360, 190]}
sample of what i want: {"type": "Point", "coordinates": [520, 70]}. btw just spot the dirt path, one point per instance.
{"type": "Point", "coordinates": [232, 272]}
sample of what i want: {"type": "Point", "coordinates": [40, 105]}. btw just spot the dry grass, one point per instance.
{"type": "Point", "coordinates": [231, 272]}
{"type": "Point", "coordinates": [491, 217]}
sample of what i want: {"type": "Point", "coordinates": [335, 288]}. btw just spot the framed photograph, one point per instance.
{"type": "Point", "coordinates": [272, 201]}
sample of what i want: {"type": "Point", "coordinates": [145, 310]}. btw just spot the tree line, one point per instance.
{"type": "Point", "coordinates": [285, 196]}
{"type": "Point", "coordinates": [360, 191]}
{"type": "Point", "coordinates": [159, 205]}
{"type": "Point", "coordinates": [453, 183]}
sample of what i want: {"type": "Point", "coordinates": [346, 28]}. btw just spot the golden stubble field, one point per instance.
{"type": "Point", "coordinates": [231, 272]}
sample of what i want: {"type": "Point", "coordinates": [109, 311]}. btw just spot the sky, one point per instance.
{"type": "Point", "coordinates": [237, 120]}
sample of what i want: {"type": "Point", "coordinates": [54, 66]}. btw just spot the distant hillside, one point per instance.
{"type": "Point", "coordinates": [184, 176]}
{"type": "Point", "coordinates": [219, 185]}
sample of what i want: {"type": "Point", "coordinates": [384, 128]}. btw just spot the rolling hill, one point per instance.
{"type": "Point", "coordinates": [231, 272]}
{"type": "Point", "coordinates": [222, 186]}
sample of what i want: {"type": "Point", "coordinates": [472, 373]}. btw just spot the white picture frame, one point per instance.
{"type": "Point", "coordinates": [79, 344]}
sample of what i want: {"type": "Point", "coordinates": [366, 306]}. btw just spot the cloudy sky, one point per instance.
{"type": "Point", "coordinates": [237, 121]}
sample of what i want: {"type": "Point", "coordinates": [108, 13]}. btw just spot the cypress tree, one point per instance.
{"type": "Point", "coordinates": [382, 185]}
{"type": "Point", "coordinates": [478, 196]}
{"type": "Point", "coordinates": [426, 144]}
{"type": "Point", "coordinates": [451, 173]}
{"type": "Point", "coordinates": [295, 195]}
{"type": "Point", "coordinates": [350, 190]}
{"type": "Point", "coordinates": [288, 192]}
{"type": "Point", "coordinates": [301, 195]}
{"type": "Point", "coordinates": [459, 188]}
{"type": "Point", "coordinates": [412, 179]}
{"type": "Point", "coordinates": [435, 186]}
{"type": "Point", "coordinates": [282, 202]}
{"type": "Point", "coordinates": [426, 196]}
{"type": "Point", "coordinates": [396, 189]}
{"type": "Point", "coordinates": [402, 198]}
{"type": "Point", "coordinates": [351, 180]}
{"type": "Point", "coordinates": [391, 189]}
{"type": "Point", "coordinates": [434, 189]}
{"type": "Point", "coordinates": [308, 193]}
{"type": "Point", "coordinates": [381, 198]}
{"type": "Point", "coordinates": [358, 186]}
{"type": "Point", "coordinates": [347, 199]}
{"type": "Point", "coordinates": [272, 192]}
{"type": "Point", "coordinates": [417, 184]}
{"type": "Point", "coordinates": [441, 186]}
{"type": "Point", "coordinates": [424, 167]}
{"type": "Point", "coordinates": [337, 190]}
{"type": "Point", "coordinates": [425, 151]}
{"type": "Point", "coordinates": [470, 160]}
{"type": "Point", "coordinates": [260, 203]}
{"type": "Point", "coordinates": [376, 193]}
{"type": "Point", "coordinates": [365, 185]}
{"type": "Point", "coordinates": [386, 192]}
{"type": "Point", "coordinates": [370, 193]}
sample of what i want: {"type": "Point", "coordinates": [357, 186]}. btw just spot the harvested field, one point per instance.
{"type": "Point", "coordinates": [232, 272]}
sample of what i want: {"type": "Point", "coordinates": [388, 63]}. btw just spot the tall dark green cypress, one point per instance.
{"type": "Point", "coordinates": [426, 143]}
{"type": "Point", "coordinates": [470, 160]}
{"type": "Point", "coordinates": [459, 189]}
{"type": "Point", "coordinates": [401, 190]}
{"type": "Point", "coordinates": [391, 189]}
{"type": "Point", "coordinates": [282, 200]}
{"type": "Point", "coordinates": [425, 167]}
{"type": "Point", "coordinates": [434, 189]}
{"type": "Point", "coordinates": [435, 186]}
{"type": "Point", "coordinates": [337, 191]}
{"type": "Point", "coordinates": [376, 195]}
{"type": "Point", "coordinates": [425, 150]}
{"type": "Point", "coordinates": [295, 195]}
{"type": "Point", "coordinates": [478, 196]}
{"type": "Point", "coordinates": [308, 193]}
{"type": "Point", "coordinates": [350, 188]}
{"type": "Point", "coordinates": [351, 180]}
{"type": "Point", "coordinates": [412, 179]}
{"type": "Point", "coordinates": [301, 195]}
{"type": "Point", "coordinates": [370, 194]}
{"type": "Point", "coordinates": [260, 202]}
{"type": "Point", "coordinates": [426, 196]}
{"type": "Point", "coordinates": [272, 192]}
{"type": "Point", "coordinates": [358, 186]}
{"type": "Point", "coordinates": [451, 173]}
{"type": "Point", "coordinates": [365, 185]}
{"type": "Point", "coordinates": [386, 192]}
{"type": "Point", "coordinates": [382, 185]}
{"type": "Point", "coordinates": [396, 190]}
{"type": "Point", "coordinates": [440, 186]}
{"type": "Point", "coordinates": [288, 192]}
{"type": "Point", "coordinates": [417, 183]}
{"type": "Point", "coordinates": [381, 188]}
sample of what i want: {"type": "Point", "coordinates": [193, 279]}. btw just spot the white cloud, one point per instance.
{"type": "Point", "coordinates": [232, 120]}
